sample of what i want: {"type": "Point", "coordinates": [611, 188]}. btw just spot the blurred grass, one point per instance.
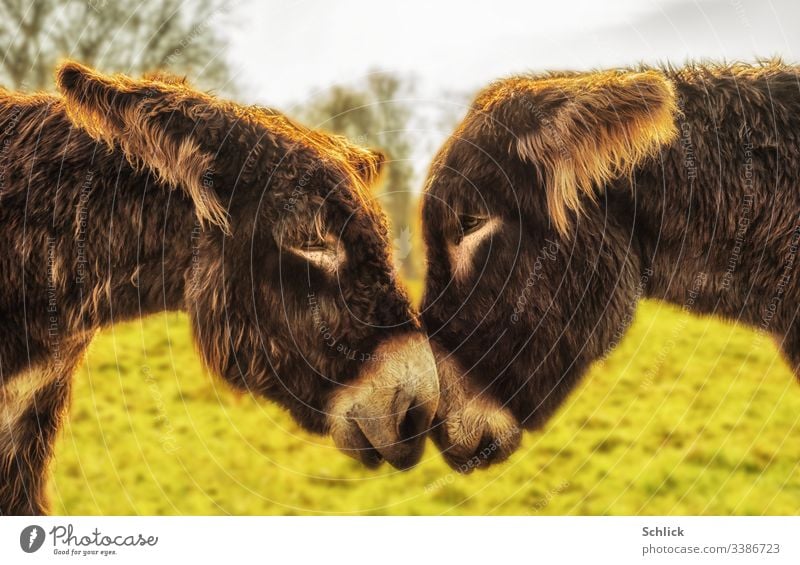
{"type": "Point", "coordinates": [687, 416]}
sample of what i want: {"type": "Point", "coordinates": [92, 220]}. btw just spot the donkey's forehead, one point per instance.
{"type": "Point", "coordinates": [324, 157]}
{"type": "Point", "coordinates": [462, 176]}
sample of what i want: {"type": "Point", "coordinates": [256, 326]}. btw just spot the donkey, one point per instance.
{"type": "Point", "coordinates": [123, 197]}
{"type": "Point", "coordinates": [564, 198]}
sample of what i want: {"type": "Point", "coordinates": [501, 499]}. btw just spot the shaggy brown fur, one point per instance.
{"type": "Point", "coordinates": [602, 188]}
{"type": "Point", "coordinates": [126, 197]}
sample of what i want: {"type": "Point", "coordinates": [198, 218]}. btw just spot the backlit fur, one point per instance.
{"type": "Point", "coordinates": [677, 184]}
{"type": "Point", "coordinates": [123, 197]}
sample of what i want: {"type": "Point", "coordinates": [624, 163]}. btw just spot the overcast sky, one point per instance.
{"type": "Point", "coordinates": [283, 52]}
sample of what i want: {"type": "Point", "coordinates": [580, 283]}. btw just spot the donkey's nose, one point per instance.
{"type": "Point", "coordinates": [388, 411]}
{"type": "Point", "coordinates": [398, 437]}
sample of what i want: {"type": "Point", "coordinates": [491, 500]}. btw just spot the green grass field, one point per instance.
{"type": "Point", "coordinates": [688, 416]}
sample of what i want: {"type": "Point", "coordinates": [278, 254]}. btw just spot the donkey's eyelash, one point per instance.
{"type": "Point", "coordinates": [469, 223]}
{"type": "Point", "coordinates": [316, 245]}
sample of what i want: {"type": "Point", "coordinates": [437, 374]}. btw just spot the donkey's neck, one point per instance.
{"type": "Point", "coordinates": [87, 239]}
{"type": "Point", "coordinates": [150, 251]}
{"type": "Point", "coordinates": [688, 241]}
{"type": "Point", "coordinates": [123, 247]}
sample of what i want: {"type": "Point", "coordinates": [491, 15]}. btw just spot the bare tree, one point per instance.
{"type": "Point", "coordinates": [131, 37]}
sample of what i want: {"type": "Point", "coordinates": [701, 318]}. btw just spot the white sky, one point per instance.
{"type": "Point", "coordinates": [302, 44]}
{"type": "Point", "coordinates": [284, 52]}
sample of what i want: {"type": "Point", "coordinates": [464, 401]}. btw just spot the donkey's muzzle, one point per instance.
{"type": "Point", "coordinates": [472, 428]}
{"type": "Point", "coordinates": [388, 411]}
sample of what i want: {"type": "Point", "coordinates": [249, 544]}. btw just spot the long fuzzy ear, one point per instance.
{"type": "Point", "coordinates": [368, 163]}
{"type": "Point", "coordinates": [151, 121]}
{"type": "Point", "coordinates": [584, 130]}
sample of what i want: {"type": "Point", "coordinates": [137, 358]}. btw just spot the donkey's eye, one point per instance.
{"type": "Point", "coordinates": [315, 245]}
{"type": "Point", "coordinates": [470, 223]}
{"type": "Point", "coordinates": [326, 253]}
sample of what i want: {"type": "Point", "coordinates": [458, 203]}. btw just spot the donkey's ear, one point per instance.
{"type": "Point", "coordinates": [583, 130]}
{"type": "Point", "coordinates": [153, 122]}
{"type": "Point", "coordinates": [368, 163]}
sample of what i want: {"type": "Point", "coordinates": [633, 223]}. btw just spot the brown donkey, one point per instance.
{"type": "Point", "coordinates": [563, 199]}
{"type": "Point", "coordinates": [125, 197]}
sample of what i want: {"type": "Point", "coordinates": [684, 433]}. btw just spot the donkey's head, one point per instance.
{"type": "Point", "coordinates": [527, 276]}
{"type": "Point", "coordinates": [291, 289]}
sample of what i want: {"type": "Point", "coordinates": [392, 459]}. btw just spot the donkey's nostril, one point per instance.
{"type": "Point", "coordinates": [414, 423]}
{"type": "Point", "coordinates": [400, 451]}
{"type": "Point", "coordinates": [392, 405]}
{"type": "Point", "coordinates": [399, 435]}
{"type": "Point", "coordinates": [372, 458]}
